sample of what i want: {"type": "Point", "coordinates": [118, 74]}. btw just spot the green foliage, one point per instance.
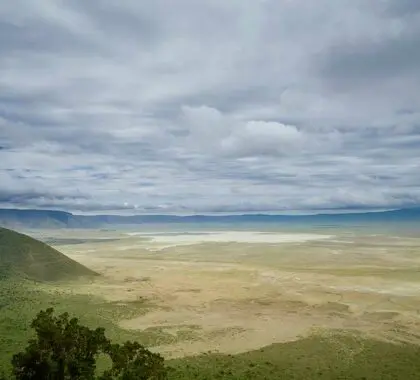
{"type": "Point", "coordinates": [133, 361]}
{"type": "Point", "coordinates": [65, 350]}
{"type": "Point", "coordinates": [62, 348]}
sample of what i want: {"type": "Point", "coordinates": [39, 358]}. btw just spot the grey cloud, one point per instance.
{"type": "Point", "coordinates": [209, 107]}
{"type": "Point", "coordinates": [38, 37]}
{"type": "Point", "coordinates": [134, 24]}
{"type": "Point", "coordinates": [367, 62]}
{"type": "Point", "coordinates": [401, 7]}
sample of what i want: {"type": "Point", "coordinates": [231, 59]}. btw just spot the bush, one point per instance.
{"type": "Point", "coordinates": [65, 350]}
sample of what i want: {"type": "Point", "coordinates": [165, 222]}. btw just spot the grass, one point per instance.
{"type": "Point", "coordinates": [338, 356]}
{"type": "Point", "coordinates": [24, 257]}
{"type": "Point", "coordinates": [322, 356]}
{"type": "Point", "coordinates": [20, 301]}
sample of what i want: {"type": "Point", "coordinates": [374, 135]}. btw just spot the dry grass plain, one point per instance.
{"type": "Point", "coordinates": [234, 291]}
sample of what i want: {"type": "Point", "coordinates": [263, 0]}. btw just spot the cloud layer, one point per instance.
{"type": "Point", "coordinates": [211, 106]}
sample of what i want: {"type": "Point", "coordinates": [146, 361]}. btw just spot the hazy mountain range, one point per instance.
{"type": "Point", "coordinates": [61, 219]}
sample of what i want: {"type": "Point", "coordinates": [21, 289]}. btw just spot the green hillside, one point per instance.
{"type": "Point", "coordinates": [24, 257]}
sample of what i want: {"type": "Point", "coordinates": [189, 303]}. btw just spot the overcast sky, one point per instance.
{"type": "Point", "coordinates": [179, 106]}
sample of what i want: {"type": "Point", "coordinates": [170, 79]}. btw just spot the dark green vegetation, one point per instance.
{"type": "Point", "coordinates": [24, 257]}
{"type": "Point", "coordinates": [338, 356]}
{"type": "Point", "coordinates": [64, 349]}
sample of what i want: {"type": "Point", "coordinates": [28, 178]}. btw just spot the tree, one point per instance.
{"type": "Point", "coordinates": [65, 350]}
{"type": "Point", "coordinates": [133, 361]}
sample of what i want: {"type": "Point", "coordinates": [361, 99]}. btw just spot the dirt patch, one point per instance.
{"type": "Point", "coordinates": [237, 297]}
{"type": "Point", "coordinates": [381, 316]}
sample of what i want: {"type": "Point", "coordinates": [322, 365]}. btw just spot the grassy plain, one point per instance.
{"type": "Point", "coordinates": [322, 356]}
{"type": "Point", "coordinates": [238, 296]}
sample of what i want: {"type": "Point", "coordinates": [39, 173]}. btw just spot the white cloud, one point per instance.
{"type": "Point", "coordinates": [256, 138]}
{"type": "Point", "coordinates": [211, 131]}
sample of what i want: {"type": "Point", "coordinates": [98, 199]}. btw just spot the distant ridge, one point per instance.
{"type": "Point", "coordinates": [22, 257]}
{"type": "Point", "coordinates": [16, 218]}
{"type": "Point", "coordinates": [34, 218]}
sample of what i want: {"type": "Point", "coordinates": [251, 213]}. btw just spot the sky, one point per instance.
{"type": "Point", "coordinates": [185, 106]}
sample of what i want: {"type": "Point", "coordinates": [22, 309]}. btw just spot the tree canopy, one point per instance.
{"type": "Point", "coordinates": [63, 349]}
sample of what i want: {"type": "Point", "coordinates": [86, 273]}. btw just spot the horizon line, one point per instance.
{"type": "Point", "coordinates": [221, 213]}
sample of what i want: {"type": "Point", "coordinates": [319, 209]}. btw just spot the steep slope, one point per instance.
{"type": "Point", "coordinates": [24, 257]}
